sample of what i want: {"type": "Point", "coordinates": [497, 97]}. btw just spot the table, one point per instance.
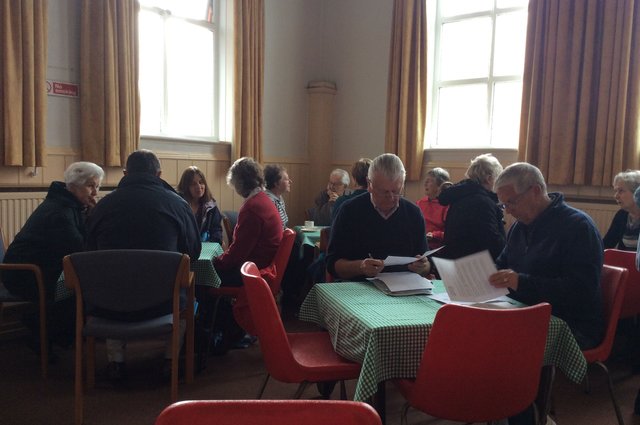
{"type": "Point", "coordinates": [307, 239]}
{"type": "Point", "coordinates": [387, 334]}
{"type": "Point", "coordinates": [203, 269]}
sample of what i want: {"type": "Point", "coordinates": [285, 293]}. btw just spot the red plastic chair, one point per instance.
{"type": "Point", "coordinates": [626, 260]}
{"type": "Point", "coordinates": [479, 364]}
{"type": "Point", "coordinates": [614, 284]}
{"type": "Point", "coordinates": [281, 412]}
{"type": "Point", "coordinates": [292, 357]}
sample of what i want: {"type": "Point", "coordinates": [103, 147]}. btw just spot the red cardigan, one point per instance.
{"type": "Point", "coordinates": [434, 218]}
{"type": "Point", "coordinates": [256, 236]}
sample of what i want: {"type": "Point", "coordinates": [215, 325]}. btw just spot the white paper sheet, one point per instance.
{"type": "Point", "coordinates": [402, 282]}
{"type": "Point", "coordinates": [467, 278]}
{"type": "Point", "coordinates": [393, 260]}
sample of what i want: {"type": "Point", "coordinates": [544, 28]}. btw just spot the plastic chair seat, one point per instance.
{"type": "Point", "coordinates": [317, 359]}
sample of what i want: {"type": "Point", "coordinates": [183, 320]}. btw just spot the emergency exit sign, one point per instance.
{"type": "Point", "coordinates": [60, 88]}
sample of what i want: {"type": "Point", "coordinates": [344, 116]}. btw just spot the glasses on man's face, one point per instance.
{"type": "Point", "coordinates": [393, 194]}
{"type": "Point", "coordinates": [513, 201]}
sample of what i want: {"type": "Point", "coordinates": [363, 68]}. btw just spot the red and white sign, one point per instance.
{"type": "Point", "coordinates": [60, 88]}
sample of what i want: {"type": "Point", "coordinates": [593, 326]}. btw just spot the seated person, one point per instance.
{"type": "Point", "coordinates": [474, 222]}
{"type": "Point", "coordinates": [194, 189]}
{"type": "Point", "coordinates": [359, 172]}
{"type": "Point", "coordinates": [372, 226]}
{"type": "Point", "coordinates": [338, 183]}
{"type": "Point", "coordinates": [144, 212]}
{"type": "Point", "coordinates": [55, 228]}
{"type": "Point", "coordinates": [259, 229]}
{"type": "Point", "coordinates": [553, 254]}
{"type": "Point", "coordinates": [278, 182]}
{"type": "Point", "coordinates": [625, 226]}
{"type": "Point", "coordinates": [434, 213]}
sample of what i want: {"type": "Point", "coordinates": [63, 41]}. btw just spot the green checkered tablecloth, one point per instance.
{"type": "Point", "coordinates": [203, 270]}
{"type": "Point", "coordinates": [387, 334]}
{"type": "Point", "coordinates": [307, 238]}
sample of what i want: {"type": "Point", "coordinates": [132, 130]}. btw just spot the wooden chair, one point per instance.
{"type": "Point", "coordinates": [7, 297]}
{"type": "Point", "coordinates": [128, 295]}
{"type": "Point", "coordinates": [292, 357]}
{"type": "Point", "coordinates": [281, 412]}
{"type": "Point", "coordinates": [479, 364]}
{"type": "Point", "coordinates": [614, 284]}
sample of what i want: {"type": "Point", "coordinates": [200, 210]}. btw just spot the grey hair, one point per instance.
{"type": "Point", "coordinates": [244, 175]}
{"type": "Point", "coordinates": [344, 176]}
{"type": "Point", "coordinates": [440, 174]}
{"type": "Point", "coordinates": [630, 178]}
{"type": "Point", "coordinates": [484, 167]}
{"type": "Point", "coordinates": [79, 173]}
{"type": "Point", "coordinates": [389, 165]}
{"type": "Point", "coordinates": [522, 176]}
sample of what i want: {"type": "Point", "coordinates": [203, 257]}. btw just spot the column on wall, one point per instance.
{"type": "Point", "coordinates": [320, 135]}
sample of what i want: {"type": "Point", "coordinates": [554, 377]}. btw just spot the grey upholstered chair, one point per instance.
{"type": "Point", "coordinates": [129, 295]}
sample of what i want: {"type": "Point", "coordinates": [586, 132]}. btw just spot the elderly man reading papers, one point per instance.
{"type": "Point", "coordinates": [376, 224]}
{"type": "Point", "coordinates": [553, 254]}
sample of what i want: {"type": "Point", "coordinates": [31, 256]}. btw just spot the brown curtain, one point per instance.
{"type": "Point", "coordinates": [407, 85]}
{"type": "Point", "coordinates": [109, 99]}
{"type": "Point", "coordinates": [23, 91]}
{"type": "Point", "coordinates": [248, 24]}
{"type": "Point", "coordinates": [579, 120]}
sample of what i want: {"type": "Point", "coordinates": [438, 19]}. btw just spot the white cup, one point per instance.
{"type": "Point", "coordinates": [308, 223]}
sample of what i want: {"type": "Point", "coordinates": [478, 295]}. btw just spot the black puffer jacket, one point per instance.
{"type": "Point", "coordinates": [474, 221]}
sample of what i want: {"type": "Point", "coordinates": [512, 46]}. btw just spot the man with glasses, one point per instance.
{"type": "Point", "coordinates": [375, 224]}
{"type": "Point", "coordinates": [553, 254]}
{"type": "Point", "coordinates": [338, 183]}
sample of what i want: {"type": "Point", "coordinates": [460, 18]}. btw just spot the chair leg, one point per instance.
{"type": "Point", "coordinates": [90, 353]}
{"type": "Point", "coordinates": [203, 353]}
{"type": "Point", "coordinates": [78, 381]}
{"type": "Point", "coordinates": [263, 386]}
{"type": "Point", "coordinates": [403, 414]}
{"type": "Point", "coordinates": [189, 337]}
{"type": "Point", "coordinates": [44, 340]}
{"type": "Point", "coordinates": [611, 393]}
{"type": "Point", "coordinates": [300, 390]}
{"type": "Point", "coordinates": [175, 354]}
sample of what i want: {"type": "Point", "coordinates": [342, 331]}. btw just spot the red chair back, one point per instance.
{"type": "Point", "coordinates": [481, 364]}
{"type": "Point", "coordinates": [282, 258]}
{"type": "Point", "coordinates": [626, 260]}
{"type": "Point", "coordinates": [274, 343]}
{"type": "Point", "coordinates": [281, 412]}
{"type": "Point", "coordinates": [613, 283]}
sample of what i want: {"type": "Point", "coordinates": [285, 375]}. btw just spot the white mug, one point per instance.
{"type": "Point", "coordinates": [308, 223]}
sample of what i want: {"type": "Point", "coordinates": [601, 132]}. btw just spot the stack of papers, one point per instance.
{"type": "Point", "coordinates": [402, 283]}
{"type": "Point", "coordinates": [467, 279]}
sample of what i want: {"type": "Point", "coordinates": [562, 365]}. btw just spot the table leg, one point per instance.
{"type": "Point", "coordinates": [543, 400]}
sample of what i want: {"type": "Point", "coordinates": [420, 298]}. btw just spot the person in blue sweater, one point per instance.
{"type": "Point", "coordinates": [553, 254]}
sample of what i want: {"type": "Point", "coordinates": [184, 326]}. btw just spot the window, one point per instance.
{"type": "Point", "coordinates": [182, 69]}
{"type": "Point", "coordinates": [476, 79]}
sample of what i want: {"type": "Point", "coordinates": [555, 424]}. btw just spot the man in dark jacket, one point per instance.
{"type": "Point", "coordinates": [144, 212]}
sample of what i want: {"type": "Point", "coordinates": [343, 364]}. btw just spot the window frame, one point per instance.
{"type": "Point", "coordinates": [435, 83]}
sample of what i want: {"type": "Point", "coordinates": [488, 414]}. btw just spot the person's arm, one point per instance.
{"type": "Point", "coordinates": [245, 237]}
{"type": "Point", "coordinates": [616, 230]}
{"type": "Point", "coordinates": [369, 267]}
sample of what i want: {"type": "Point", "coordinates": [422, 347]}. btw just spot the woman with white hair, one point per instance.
{"type": "Point", "coordinates": [474, 220]}
{"type": "Point", "coordinates": [56, 228]}
{"type": "Point", "coordinates": [625, 226]}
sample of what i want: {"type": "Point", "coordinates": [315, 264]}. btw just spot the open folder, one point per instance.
{"type": "Point", "coordinates": [402, 283]}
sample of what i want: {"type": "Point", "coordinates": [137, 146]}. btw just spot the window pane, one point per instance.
{"type": "Point", "coordinates": [194, 9]}
{"type": "Point", "coordinates": [151, 81]}
{"type": "Point", "coordinates": [190, 79]}
{"type": "Point", "coordinates": [509, 45]}
{"type": "Point", "coordinates": [502, 4]}
{"type": "Point", "coordinates": [506, 114]}
{"type": "Point", "coordinates": [462, 118]}
{"type": "Point", "coordinates": [461, 7]}
{"type": "Point", "coordinates": [465, 49]}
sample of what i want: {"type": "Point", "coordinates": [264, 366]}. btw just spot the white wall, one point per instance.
{"type": "Point", "coordinates": [357, 38]}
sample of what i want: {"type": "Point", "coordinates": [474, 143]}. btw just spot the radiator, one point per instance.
{"type": "Point", "coordinates": [15, 208]}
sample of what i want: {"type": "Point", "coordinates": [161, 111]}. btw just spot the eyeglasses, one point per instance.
{"type": "Point", "coordinates": [513, 201]}
{"type": "Point", "coordinates": [394, 194]}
